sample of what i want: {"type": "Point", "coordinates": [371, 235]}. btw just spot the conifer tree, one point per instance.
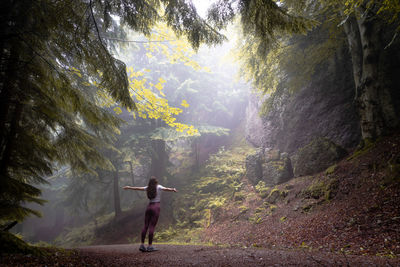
{"type": "Point", "coordinates": [47, 116]}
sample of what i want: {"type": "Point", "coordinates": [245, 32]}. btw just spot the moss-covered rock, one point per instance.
{"type": "Point", "coordinates": [326, 189]}
{"type": "Point", "coordinates": [277, 171]}
{"type": "Point", "coordinates": [275, 195]}
{"type": "Point", "coordinates": [316, 156]}
{"type": "Point", "coordinates": [272, 154]}
{"type": "Point", "coordinates": [253, 166]}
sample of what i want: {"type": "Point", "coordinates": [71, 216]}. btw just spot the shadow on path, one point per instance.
{"type": "Point", "coordinates": [191, 255]}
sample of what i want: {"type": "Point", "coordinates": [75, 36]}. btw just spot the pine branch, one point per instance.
{"type": "Point", "coordinates": [11, 225]}
{"type": "Point", "coordinates": [97, 28]}
{"type": "Point", "coordinates": [141, 42]}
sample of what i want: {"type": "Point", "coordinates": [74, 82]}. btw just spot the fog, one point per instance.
{"type": "Point", "coordinates": [207, 79]}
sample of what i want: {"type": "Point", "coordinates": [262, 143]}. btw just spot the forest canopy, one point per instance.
{"type": "Point", "coordinates": [48, 50]}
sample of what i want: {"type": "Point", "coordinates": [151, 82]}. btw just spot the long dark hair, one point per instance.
{"type": "Point", "coordinates": [152, 188]}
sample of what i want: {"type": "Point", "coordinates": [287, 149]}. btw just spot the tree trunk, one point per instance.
{"type": "Point", "coordinates": [10, 55]}
{"type": "Point", "coordinates": [196, 152]}
{"type": "Point", "coordinates": [159, 156]}
{"type": "Point", "coordinates": [117, 201]}
{"type": "Point", "coordinates": [8, 89]}
{"type": "Point", "coordinates": [133, 177]}
{"type": "Point", "coordinates": [158, 159]}
{"type": "Point", "coordinates": [10, 140]}
{"type": "Point", "coordinates": [59, 222]}
{"type": "Point", "coordinates": [373, 99]}
{"type": "Point", "coordinates": [354, 42]}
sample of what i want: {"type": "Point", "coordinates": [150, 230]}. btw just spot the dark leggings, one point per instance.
{"type": "Point", "coordinates": [150, 220]}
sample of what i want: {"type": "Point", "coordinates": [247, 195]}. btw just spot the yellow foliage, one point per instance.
{"type": "Point", "coordinates": [184, 103]}
{"type": "Point", "coordinates": [117, 110]}
{"type": "Point", "coordinates": [76, 72]}
{"type": "Point", "coordinates": [159, 86]}
{"type": "Point", "coordinates": [150, 103]}
{"type": "Point", "coordinates": [163, 40]}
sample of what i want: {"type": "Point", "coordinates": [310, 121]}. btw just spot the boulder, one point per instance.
{"type": "Point", "coordinates": [277, 171]}
{"type": "Point", "coordinates": [253, 166]}
{"type": "Point", "coordinates": [272, 154]}
{"type": "Point", "coordinates": [316, 156]}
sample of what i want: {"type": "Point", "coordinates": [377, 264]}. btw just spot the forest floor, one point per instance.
{"type": "Point", "coordinates": [191, 255]}
{"type": "Point", "coordinates": [353, 207]}
{"type": "Point", "coordinates": [348, 215]}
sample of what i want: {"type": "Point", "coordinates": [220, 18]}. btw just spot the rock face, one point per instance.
{"type": "Point", "coordinates": [269, 166]}
{"type": "Point", "coordinates": [254, 131]}
{"type": "Point", "coordinates": [317, 121]}
{"type": "Point", "coordinates": [316, 156]}
{"type": "Point", "coordinates": [312, 125]}
{"type": "Point", "coordinates": [323, 108]}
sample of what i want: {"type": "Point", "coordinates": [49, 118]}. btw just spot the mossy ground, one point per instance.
{"type": "Point", "coordinates": [206, 194]}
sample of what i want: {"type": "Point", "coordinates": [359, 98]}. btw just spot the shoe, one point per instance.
{"type": "Point", "coordinates": [142, 248]}
{"type": "Point", "coordinates": [151, 249]}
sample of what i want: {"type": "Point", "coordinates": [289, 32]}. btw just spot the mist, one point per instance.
{"type": "Point", "coordinates": [217, 99]}
{"type": "Point", "coordinates": [219, 133]}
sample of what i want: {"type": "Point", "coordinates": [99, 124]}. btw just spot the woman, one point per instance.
{"type": "Point", "coordinates": [153, 209]}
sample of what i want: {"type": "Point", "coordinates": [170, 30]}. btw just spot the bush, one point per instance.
{"type": "Point", "coordinates": [12, 244]}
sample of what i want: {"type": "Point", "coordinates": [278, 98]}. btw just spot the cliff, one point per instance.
{"type": "Point", "coordinates": [323, 108]}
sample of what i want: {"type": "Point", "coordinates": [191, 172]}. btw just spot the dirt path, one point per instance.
{"type": "Point", "coordinates": [189, 255]}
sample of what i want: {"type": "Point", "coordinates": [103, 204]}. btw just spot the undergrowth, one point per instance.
{"type": "Point", "coordinates": [12, 244]}
{"type": "Point", "coordinates": [83, 235]}
{"type": "Point", "coordinates": [205, 194]}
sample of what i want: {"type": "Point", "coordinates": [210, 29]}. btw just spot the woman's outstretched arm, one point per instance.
{"type": "Point", "coordinates": [134, 188]}
{"type": "Point", "coordinates": [170, 189]}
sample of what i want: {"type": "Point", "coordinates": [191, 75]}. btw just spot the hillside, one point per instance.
{"type": "Point", "coordinates": [353, 206]}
